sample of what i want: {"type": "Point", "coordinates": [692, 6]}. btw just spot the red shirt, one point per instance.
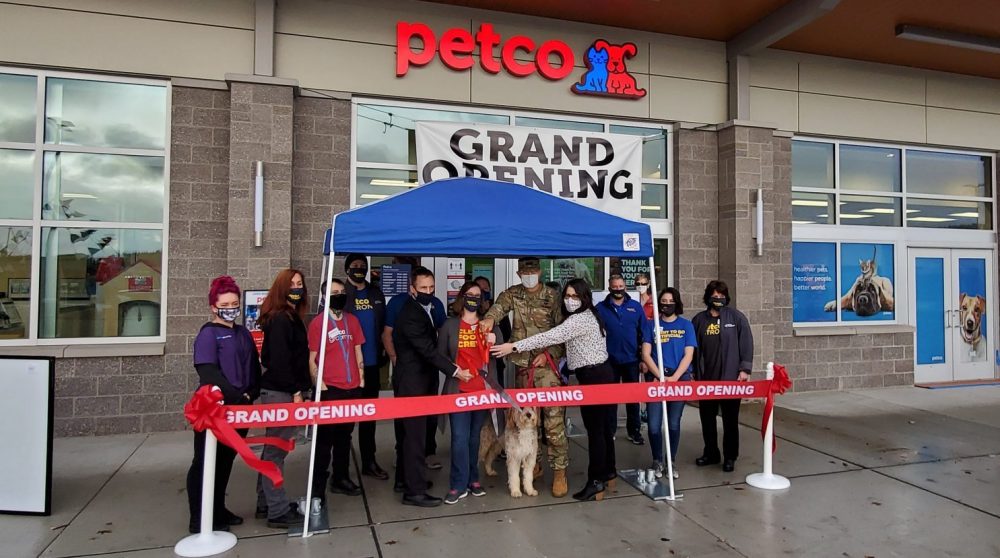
{"type": "Point", "coordinates": [342, 336]}
{"type": "Point", "coordinates": [648, 307]}
{"type": "Point", "coordinates": [473, 355]}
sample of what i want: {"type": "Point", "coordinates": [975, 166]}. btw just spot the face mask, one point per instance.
{"type": "Point", "coordinates": [668, 309]}
{"type": "Point", "coordinates": [618, 293]}
{"type": "Point", "coordinates": [719, 301]}
{"type": "Point", "coordinates": [529, 281]}
{"type": "Point", "coordinates": [424, 299]}
{"type": "Point", "coordinates": [487, 296]}
{"type": "Point", "coordinates": [295, 295]}
{"type": "Point", "coordinates": [338, 301]}
{"type": "Point", "coordinates": [357, 274]}
{"type": "Point", "coordinates": [572, 304]}
{"type": "Point", "coordinates": [472, 304]}
{"type": "Point", "coordinates": [643, 289]}
{"type": "Point", "coordinates": [228, 314]}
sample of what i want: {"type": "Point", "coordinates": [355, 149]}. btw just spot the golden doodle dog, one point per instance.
{"type": "Point", "coordinates": [520, 440]}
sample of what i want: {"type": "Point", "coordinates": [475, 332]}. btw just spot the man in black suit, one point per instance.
{"type": "Point", "coordinates": [418, 363]}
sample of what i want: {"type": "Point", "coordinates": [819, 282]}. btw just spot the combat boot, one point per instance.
{"type": "Point", "coordinates": [559, 488]}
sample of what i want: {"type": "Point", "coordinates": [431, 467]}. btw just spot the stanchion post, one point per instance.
{"type": "Point", "coordinates": [207, 542]}
{"type": "Point", "coordinates": [767, 480]}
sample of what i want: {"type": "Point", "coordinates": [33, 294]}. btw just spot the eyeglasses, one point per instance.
{"type": "Point", "coordinates": [642, 284]}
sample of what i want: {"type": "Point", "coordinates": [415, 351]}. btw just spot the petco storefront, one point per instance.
{"type": "Point", "coordinates": [837, 173]}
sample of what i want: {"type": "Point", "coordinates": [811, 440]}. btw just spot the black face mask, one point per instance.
{"type": "Point", "coordinates": [357, 274]}
{"type": "Point", "coordinates": [424, 299]}
{"type": "Point", "coordinates": [719, 301]}
{"type": "Point", "coordinates": [472, 303]}
{"type": "Point", "coordinates": [618, 293]}
{"type": "Point", "coordinates": [338, 301]}
{"type": "Point", "coordinates": [668, 309]}
{"type": "Point", "coordinates": [295, 295]}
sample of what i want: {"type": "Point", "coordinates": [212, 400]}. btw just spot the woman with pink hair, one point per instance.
{"type": "Point", "coordinates": [225, 356]}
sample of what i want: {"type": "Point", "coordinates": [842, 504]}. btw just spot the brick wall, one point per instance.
{"type": "Point", "coordinates": [696, 214]}
{"type": "Point", "coordinates": [119, 395]}
{"type": "Point", "coordinates": [866, 360]}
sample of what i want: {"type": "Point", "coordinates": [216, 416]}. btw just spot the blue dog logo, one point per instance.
{"type": "Point", "coordinates": [606, 72]}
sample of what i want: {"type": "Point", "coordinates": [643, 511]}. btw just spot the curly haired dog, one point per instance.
{"type": "Point", "coordinates": [520, 440]}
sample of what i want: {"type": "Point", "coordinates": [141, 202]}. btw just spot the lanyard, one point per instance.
{"type": "Point", "coordinates": [343, 350]}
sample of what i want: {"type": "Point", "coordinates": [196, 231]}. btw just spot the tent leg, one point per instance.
{"type": "Point", "coordinates": [659, 354]}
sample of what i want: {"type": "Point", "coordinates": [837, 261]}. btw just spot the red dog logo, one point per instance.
{"type": "Point", "coordinates": [606, 72]}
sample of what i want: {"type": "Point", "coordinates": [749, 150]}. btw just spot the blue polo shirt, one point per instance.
{"type": "Point", "coordinates": [395, 304]}
{"type": "Point", "coordinates": [675, 336]}
{"type": "Point", "coordinates": [624, 324]}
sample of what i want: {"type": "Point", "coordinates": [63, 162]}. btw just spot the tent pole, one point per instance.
{"type": "Point", "coordinates": [657, 337]}
{"type": "Point", "coordinates": [316, 397]}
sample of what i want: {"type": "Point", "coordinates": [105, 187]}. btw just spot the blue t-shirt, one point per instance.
{"type": "Point", "coordinates": [395, 304]}
{"type": "Point", "coordinates": [675, 336]}
{"type": "Point", "coordinates": [364, 311]}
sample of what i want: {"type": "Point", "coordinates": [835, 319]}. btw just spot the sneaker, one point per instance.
{"type": "Point", "coordinates": [636, 439]}
{"type": "Point", "coordinates": [290, 518]}
{"type": "Point", "coordinates": [476, 490]}
{"type": "Point", "coordinates": [658, 468]}
{"type": "Point", "coordinates": [676, 474]}
{"type": "Point", "coordinates": [454, 496]}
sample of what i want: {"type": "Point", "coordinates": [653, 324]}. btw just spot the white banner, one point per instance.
{"type": "Point", "coordinates": [602, 171]}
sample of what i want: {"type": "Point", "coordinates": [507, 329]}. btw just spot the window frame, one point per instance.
{"type": "Point", "coordinates": [39, 147]}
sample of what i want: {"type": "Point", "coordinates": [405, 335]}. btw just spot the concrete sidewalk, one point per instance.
{"type": "Point", "coordinates": [894, 472]}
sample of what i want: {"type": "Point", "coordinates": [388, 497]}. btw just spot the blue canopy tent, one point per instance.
{"type": "Point", "coordinates": [477, 217]}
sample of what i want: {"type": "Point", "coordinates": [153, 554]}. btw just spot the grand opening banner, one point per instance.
{"type": "Point", "coordinates": [601, 171]}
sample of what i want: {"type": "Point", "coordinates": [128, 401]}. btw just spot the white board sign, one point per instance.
{"type": "Point", "coordinates": [26, 427]}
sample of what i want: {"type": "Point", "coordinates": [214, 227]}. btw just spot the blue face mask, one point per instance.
{"type": "Point", "coordinates": [228, 314]}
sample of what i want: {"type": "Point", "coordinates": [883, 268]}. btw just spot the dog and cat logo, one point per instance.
{"type": "Point", "coordinates": [607, 74]}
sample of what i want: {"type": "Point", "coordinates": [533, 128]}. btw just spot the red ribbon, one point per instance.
{"type": "Point", "coordinates": [205, 412]}
{"type": "Point", "coordinates": [779, 385]}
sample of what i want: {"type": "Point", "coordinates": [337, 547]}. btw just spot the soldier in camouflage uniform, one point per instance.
{"type": "Point", "coordinates": [536, 309]}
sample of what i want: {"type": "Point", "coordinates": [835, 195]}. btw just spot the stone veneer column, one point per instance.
{"type": "Point", "coordinates": [260, 130]}
{"type": "Point", "coordinates": [696, 215]}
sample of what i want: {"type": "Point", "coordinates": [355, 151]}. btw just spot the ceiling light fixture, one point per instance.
{"type": "Point", "coordinates": [929, 219]}
{"type": "Point", "coordinates": [810, 203]}
{"type": "Point", "coordinates": [948, 38]}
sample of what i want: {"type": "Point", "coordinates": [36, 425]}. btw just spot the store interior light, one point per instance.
{"type": "Point", "coordinates": [823, 215]}
{"type": "Point", "coordinates": [651, 207]}
{"type": "Point", "coordinates": [854, 216]}
{"type": "Point", "coordinates": [948, 38]}
{"type": "Point", "coordinates": [967, 214]}
{"type": "Point", "coordinates": [393, 182]}
{"type": "Point", "coordinates": [879, 210]}
{"type": "Point", "coordinates": [810, 203]}
{"type": "Point", "coordinates": [374, 196]}
{"type": "Point", "coordinates": [76, 196]}
{"type": "Point", "coordinates": [930, 219]}
{"type": "Point", "coordinates": [804, 222]}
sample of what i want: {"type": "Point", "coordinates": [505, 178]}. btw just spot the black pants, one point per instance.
{"type": "Point", "coordinates": [224, 456]}
{"type": "Point", "coordinates": [411, 438]}
{"type": "Point", "coordinates": [333, 442]}
{"type": "Point", "coordinates": [629, 374]}
{"type": "Point", "coordinates": [430, 445]}
{"type": "Point", "coordinates": [366, 430]}
{"type": "Point", "coordinates": [709, 409]}
{"type": "Point", "coordinates": [597, 419]}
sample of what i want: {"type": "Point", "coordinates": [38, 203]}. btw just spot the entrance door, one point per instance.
{"type": "Point", "coordinates": [951, 301]}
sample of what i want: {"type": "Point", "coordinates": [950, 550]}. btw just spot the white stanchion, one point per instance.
{"type": "Point", "coordinates": [206, 542]}
{"type": "Point", "coordinates": [767, 480]}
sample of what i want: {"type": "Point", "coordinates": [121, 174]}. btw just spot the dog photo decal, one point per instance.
{"type": "Point", "coordinates": [607, 74]}
{"type": "Point", "coordinates": [972, 309]}
{"type": "Point", "coordinates": [870, 295]}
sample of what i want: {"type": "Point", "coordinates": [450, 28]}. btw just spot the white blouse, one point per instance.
{"type": "Point", "coordinates": [585, 346]}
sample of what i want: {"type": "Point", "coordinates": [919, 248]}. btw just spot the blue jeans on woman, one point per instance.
{"type": "Point", "coordinates": [654, 412]}
{"type": "Point", "coordinates": [465, 429]}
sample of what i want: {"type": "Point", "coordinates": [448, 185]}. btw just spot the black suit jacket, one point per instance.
{"type": "Point", "coordinates": [417, 357]}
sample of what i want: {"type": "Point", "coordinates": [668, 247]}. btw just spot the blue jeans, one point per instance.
{"type": "Point", "coordinates": [465, 429]}
{"type": "Point", "coordinates": [654, 411]}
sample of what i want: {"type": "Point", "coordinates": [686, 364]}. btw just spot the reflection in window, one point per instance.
{"type": "Point", "coordinates": [654, 201]}
{"type": "Point", "coordinates": [387, 134]}
{"type": "Point", "coordinates": [654, 149]}
{"type": "Point", "coordinates": [17, 183]}
{"type": "Point", "coordinates": [17, 108]}
{"type": "Point", "coordinates": [530, 122]}
{"type": "Point", "coordinates": [559, 271]}
{"type": "Point", "coordinates": [812, 164]}
{"type": "Point", "coordinates": [809, 208]}
{"type": "Point", "coordinates": [87, 187]}
{"type": "Point", "coordinates": [103, 114]}
{"type": "Point", "coordinates": [875, 169]}
{"type": "Point", "coordinates": [15, 282]}
{"type": "Point", "coordinates": [378, 184]}
{"type": "Point", "coordinates": [100, 282]}
{"type": "Point", "coordinates": [949, 174]}
{"type": "Point", "coordinates": [872, 211]}
{"type": "Point", "coordinates": [947, 214]}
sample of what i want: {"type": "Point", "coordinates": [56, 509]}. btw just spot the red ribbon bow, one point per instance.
{"type": "Point", "coordinates": [779, 385]}
{"type": "Point", "coordinates": [205, 412]}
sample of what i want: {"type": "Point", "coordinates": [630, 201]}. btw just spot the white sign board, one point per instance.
{"type": "Point", "coordinates": [26, 428]}
{"type": "Point", "coordinates": [602, 171]}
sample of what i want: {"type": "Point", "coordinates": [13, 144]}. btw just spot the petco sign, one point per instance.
{"type": "Point", "coordinates": [606, 75]}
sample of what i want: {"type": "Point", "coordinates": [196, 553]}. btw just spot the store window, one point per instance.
{"type": "Point", "coordinates": [83, 175]}
{"type": "Point", "coordinates": [843, 282]}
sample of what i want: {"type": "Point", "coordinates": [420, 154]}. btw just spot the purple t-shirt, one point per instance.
{"type": "Point", "coordinates": [231, 349]}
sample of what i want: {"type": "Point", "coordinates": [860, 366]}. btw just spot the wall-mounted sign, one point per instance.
{"type": "Point", "coordinates": [520, 56]}
{"type": "Point", "coordinates": [595, 169]}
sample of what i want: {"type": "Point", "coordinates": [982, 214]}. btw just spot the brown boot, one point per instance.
{"type": "Point", "coordinates": [559, 488]}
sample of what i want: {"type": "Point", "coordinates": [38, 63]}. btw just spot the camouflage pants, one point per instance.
{"type": "Point", "coordinates": [554, 417]}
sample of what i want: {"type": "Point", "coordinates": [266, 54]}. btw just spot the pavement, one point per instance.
{"type": "Point", "coordinates": [902, 472]}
